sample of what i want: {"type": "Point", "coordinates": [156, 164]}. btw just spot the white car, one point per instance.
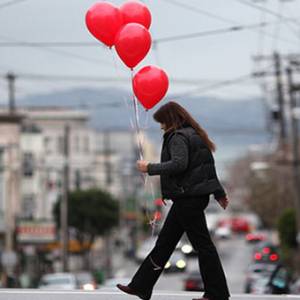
{"type": "Point", "coordinates": [58, 281]}
{"type": "Point", "coordinates": [223, 232]}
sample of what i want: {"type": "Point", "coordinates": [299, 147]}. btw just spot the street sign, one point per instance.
{"type": "Point", "coordinates": [36, 232]}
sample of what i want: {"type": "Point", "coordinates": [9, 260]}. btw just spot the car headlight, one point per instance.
{"type": "Point", "coordinates": [181, 264]}
{"type": "Point", "coordinates": [168, 265]}
{"type": "Point", "coordinates": [187, 249]}
{"type": "Point", "coordinates": [88, 287]}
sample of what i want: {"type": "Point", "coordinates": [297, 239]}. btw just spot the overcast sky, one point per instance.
{"type": "Point", "coordinates": [216, 57]}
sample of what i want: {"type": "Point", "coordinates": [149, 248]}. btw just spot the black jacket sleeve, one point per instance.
{"type": "Point", "coordinates": [178, 163]}
{"type": "Point", "coordinates": [220, 192]}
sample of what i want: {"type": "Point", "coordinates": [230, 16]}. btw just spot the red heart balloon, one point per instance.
{"type": "Point", "coordinates": [132, 43]}
{"type": "Point", "coordinates": [136, 12]}
{"type": "Point", "coordinates": [104, 21]}
{"type": "Point", "coordinates": [150, 85]}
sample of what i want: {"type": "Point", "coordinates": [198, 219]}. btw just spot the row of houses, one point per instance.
{"type": "Point", "coordinates": [32, 158]}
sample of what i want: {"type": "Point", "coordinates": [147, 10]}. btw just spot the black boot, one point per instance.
{"type": "Point", "coordinates": [128, 290]}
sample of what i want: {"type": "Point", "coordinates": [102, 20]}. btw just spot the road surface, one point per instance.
{"type": "Point", "coordinates": [235, 255]}
{"type": "Point", "coordinates": [74, 295]}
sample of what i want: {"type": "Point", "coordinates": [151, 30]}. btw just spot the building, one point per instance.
{"type": "Point", "coordinates": [10, 177]}
{"type": "Point", "coordinates": [44, 155]}
{"type": "Point", "coordinates": [117, 152]}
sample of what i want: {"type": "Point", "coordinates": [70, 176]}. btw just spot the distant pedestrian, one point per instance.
{"type": "Point", "coordinates": [188, 177]}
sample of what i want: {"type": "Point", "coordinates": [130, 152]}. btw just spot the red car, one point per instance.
{"type": "Point", "coordinates": [255, 237]}
{"type": "Point", "coordinates": [237, 224]}
{"type": "Point", "coordinates": [266, 252]}
{"type": "Point", "coordinates": [240, 225]}
{"type": "Point", "coordinates": [193, 282]}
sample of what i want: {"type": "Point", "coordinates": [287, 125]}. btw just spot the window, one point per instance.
{"type": "Point", "coordinates": [28, 207]}
{"type": "Point", "coordinates": [86, 144]}
{"type": "Point", "coordinates": [76, 144]}
{"type": "Point", "coordinates": [47, 144]}
{"type": "Point", "coordinates": [28, 164]}
{"type": "Point", "coordinates": [60, 145]}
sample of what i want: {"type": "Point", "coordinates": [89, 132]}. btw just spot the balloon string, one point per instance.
{"type": "Point", "coordinates": [152, 221]}
{"type": "Point", "coordinates": [136, 129]}
{"type": "Point", "coordinates": [137, 122]}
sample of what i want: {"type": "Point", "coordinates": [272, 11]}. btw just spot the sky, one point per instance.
{"type": "Point", "coordinates": [203, 60]}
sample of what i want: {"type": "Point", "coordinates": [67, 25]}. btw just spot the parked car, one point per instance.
{"type": "Point", "coordinates": [260, 286]}
{"type": "Point", "coordinates": [193, 282]}
{"type": "Point", "coordinates": [177, 262]}
{"type": "Point", "coordinates": [58, 281]}
{"type": "Point", "coordinates": [223, 232]}
{"type": "Point", "coordinates": [266, 278]}
{"type": "Point", "coordinates": [85, 281]}
{"type": "Point", "coordinates": [280, 281]}
{"type": "Point", "coordinates": [240, 225]}
{"type": "Point", "coordinates": [256, 272]}
{"type": "Point", "coordinates": [255, 237]}
{"type": "Point", "coordinates": [266, 252]}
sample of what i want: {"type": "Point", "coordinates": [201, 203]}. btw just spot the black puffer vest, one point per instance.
{"type": "Point", "coordinates": [200, 177]}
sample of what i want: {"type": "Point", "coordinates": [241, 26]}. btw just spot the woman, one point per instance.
{"type": "Point", "coordinates": [188, 177]}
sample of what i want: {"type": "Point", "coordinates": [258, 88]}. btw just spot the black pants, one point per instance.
{"type": "Point", "coordinates": [186, 215]}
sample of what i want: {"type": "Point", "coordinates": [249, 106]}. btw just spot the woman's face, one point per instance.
{"type": "Point", "coordinates": [163, 126]}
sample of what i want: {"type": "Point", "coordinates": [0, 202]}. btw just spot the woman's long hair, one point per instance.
{"type": "Point", "coordinates": [174, 116]}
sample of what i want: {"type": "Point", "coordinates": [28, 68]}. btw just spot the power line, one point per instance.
{"type": "Point", "coordinates": [49, 44]}
{"type": "Point", "coordinates": [267, 10]}
{"type": "Point", "coordinates": [75, 78]}
{"type": "Point", "coordinates": [61, 52]}
{"type": "Point", "coordinates": [280, 16]}
{"type": "Point", "coordinates": [215, 86]}
{"type": "Point", "coordinates": [224, 20]}
{"type": "Point", "coordinates": [201, 11]}
{"type": "Point", "coordinates": [209, 32]}
{"type": "Point", "coordinates": [10, 3]}
{"type": "Point", "coordinates": [155, 41]}
{"type": "Point", "coordinates": [277, 27]}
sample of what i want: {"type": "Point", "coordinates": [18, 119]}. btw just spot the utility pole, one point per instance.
{"type": "Point", "coordinates": [9, 217]}
{"type": "Point", "coordinates": [64, 202]}
{"type": "Point", "coordinates": [108, 181]}
{"type": "Point", "coordinates": [280, 99]}
{"type": "Point", "coordinates": [107, 159]}
{"type": "Point", "coordinates": [11, 92]}
{"type": "Point", "coordinates": [280, 116]}
{"type": "Point", "coordinates": [295, 141]}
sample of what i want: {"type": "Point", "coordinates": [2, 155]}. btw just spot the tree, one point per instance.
{"type": "Point", "coordinates": [90, 213]}
{"type": "Point", "coordinates": [287, 228]}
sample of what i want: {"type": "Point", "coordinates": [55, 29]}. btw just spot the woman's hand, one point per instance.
{"type": "Point", "coordinates": [142, 166]}
{"type": "Point", "coordinates": [223, 202]}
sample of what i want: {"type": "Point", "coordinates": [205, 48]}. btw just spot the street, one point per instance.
{"type": "Point", "coordinates": [235, 255]}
